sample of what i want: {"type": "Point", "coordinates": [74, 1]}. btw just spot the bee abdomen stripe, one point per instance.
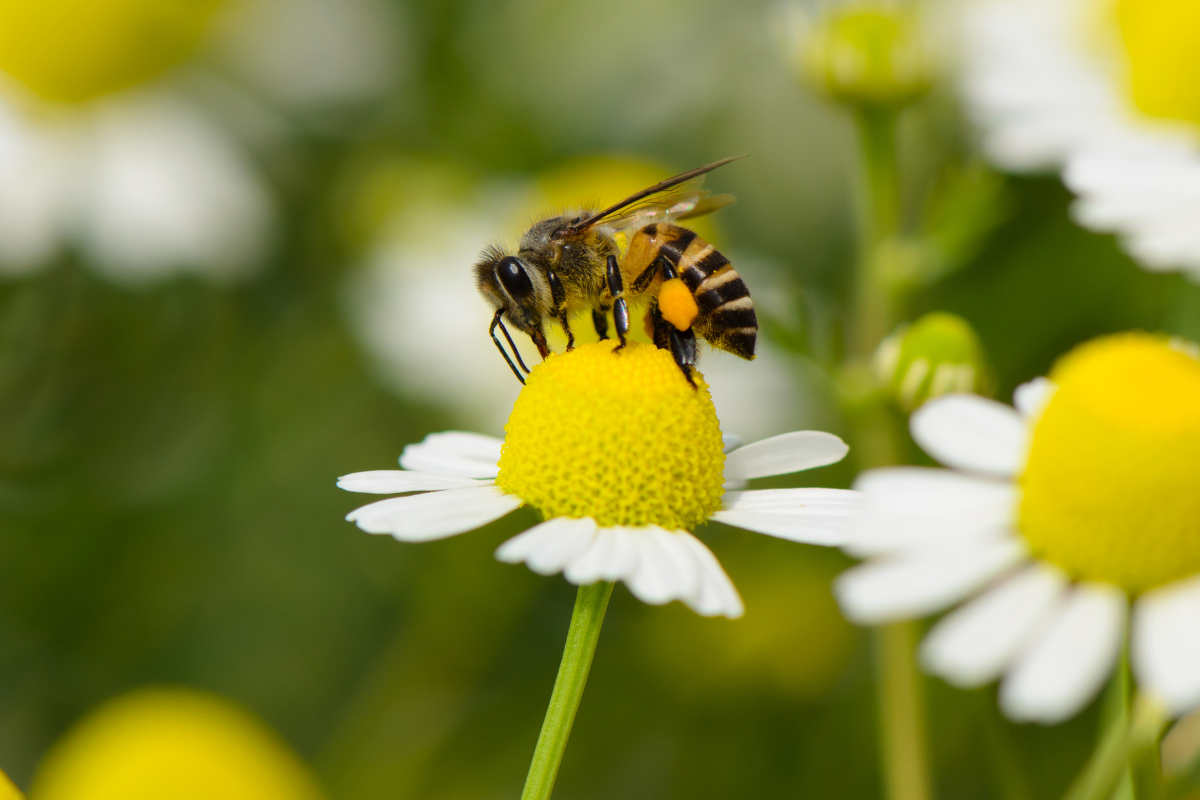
{"type": "Point", "coordinates": [672, 250]}
{"type": "Point", "coordinates": [695, 274]}
{"type": "Point", "coordinates": [731, 290]}
{"type": "Point", "coordinates": [730, 317]}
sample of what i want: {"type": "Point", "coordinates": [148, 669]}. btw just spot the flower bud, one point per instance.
{"type": "Point", "coordinates": [859, 52]}
{"type": "Point", "coordinates": [938, 354]}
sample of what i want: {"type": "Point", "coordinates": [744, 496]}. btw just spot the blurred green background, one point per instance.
{"type": "Point", "coordinates": [168, 445]}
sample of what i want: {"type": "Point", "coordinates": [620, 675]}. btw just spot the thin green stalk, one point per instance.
{"type": "Point", "coordinates": [877, 442]}
{"type": "Point", "coordinates": [874, 313]}
{"type": "Point", "coordinates": [590, 605]}
{"type": "Point", "coordinates": [901, 713]}
{"type": "Point", "coordinates": [1125, 735]}
{"type": "Point", "coordinates": [1117, 706]}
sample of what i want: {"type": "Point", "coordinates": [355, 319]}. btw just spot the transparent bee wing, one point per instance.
{"type": "Point", "coordinates": [675, 197]}
{"type": "Point", "coordinates": [671, 207]}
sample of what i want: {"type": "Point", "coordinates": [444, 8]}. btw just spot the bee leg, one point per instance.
{"type": "Point", "coordinates": [682, 344]}
{"type": "Point", "coordinates": [492, 330]}
{"type": "Point", "coordinates": [616, 287]}
{"type": "Point", "coordinates": [566, 326]}
{"type": "Point", "coordinates": [600, 320]}
{"type": "Point", "coordinates": [559, 296]}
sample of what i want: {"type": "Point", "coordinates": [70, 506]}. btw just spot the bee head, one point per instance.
{"type": "Point", "coordinates": [508, 283]}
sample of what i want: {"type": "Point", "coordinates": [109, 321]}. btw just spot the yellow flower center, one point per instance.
{"type": "Point", "coordinates": [1112, 484]}
{"type": "Point", "coordinates": [621, 437]}
{"type": "Point", "coordinates": [176, 743]}
{"type": "Point", "coordinates": [73, 50]}
{"type": "Point", "coordinates": [1162, 38]}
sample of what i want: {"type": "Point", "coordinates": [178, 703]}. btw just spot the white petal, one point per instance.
{"type": "Point", "coordinates": [716, 594]}
{"type": "Point", "coordinates": [549, 546]}
{"type": "Point", "coordinates": [1030, 398]}
{"type": "Point", "coordinates": [914, 508]}
{"type": "Point", "coordinates": [666, 568]}
{"type": "Point", "coordinates": [788, 452]}
{"type": "Point", "coordinates": [398, 481]}
{"type": "Point", "coordinates": [1166, 644]}
{"type": "Point", "coordinates": [1068, 659]}
{"type": "Point", "coordinates": [730, 442]}
{"type": "Point", "coordinates": [973, 645]}
{"type": "Point", "coordinates": [435, 515]}
{"type": "Point", "coordinates": [812, 516]}
{"type": "Point", "coordinates": [464, 455]}
{"type": "Point", "coordinates": [916, 584]}
{"type": "Point", "coordinates": [611, 556]}
{"type": "Point", "coordinates": [970, 432]}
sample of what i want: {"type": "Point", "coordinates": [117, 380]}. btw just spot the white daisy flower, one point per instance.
{"type": "Point", "coordinates": [1051, 520]}
{"type": "Point", "coordinates": [622, 458]}
{"type": "Point", "coordinates": [1095, 87]}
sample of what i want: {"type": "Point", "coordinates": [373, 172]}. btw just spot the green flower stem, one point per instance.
{"type": "Point", "coordinates": [1125, 736]}
{"type": "Point", "coordinates": [590, 605]}
{"type": "Point", "coordinates": [901, 712]}
{"type": "Point", "coordinates": [877, 437]}
{"type": "Point", "coordinates": [874, 312]}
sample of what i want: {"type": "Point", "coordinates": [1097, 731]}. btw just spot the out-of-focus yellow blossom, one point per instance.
{"type": "Point", "coordinates": [73, 50]}
{"type": "Point", "coordinates": [8, 791]}
{"type": "Point", "coordinates": [172, 744]}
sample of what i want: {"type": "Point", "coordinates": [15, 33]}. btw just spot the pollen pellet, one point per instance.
{"type": "Point", "coordinates": [676, 304]}
{"type": "Point", "coordinates": [1109, 492]}
{"type": "Point", "coordinates": [619, 436]}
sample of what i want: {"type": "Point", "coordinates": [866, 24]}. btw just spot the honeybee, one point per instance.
{"type": "Point", "coordinates": [574, 262]}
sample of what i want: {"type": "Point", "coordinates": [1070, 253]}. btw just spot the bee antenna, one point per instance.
{"type": "Point", "coordinates": [498, 322]}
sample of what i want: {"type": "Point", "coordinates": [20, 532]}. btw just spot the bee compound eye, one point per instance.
{"type": "Point", "coordinates": [514, 279]}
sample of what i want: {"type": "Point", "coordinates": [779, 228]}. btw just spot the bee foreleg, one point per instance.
{"type": "Point", "coordinates": [492, 330]}
{"type": "Point", "coordinates": [616, 287]}
{"type": "Point", "coordinates": [566, 326]}
{"type": "Point", "coordinates": [559, 296]}
{"type": "Point", "coordinates": [600, 320]}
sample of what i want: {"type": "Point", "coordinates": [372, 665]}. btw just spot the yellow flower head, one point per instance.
{"type": "Point", "coordinates": [1110, 489]}
{"type": "Point", "coordinates": [621, 437]}
{"type": "Point", "coordinates": [73, 50]}
{"type": "Point", "coordinates": [172, 744]}
{"type": "Point", "coordinates": [1161, 40]}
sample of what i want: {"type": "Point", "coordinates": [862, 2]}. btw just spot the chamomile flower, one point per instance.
{"type": "Point", "coordinates": [1053, 519]}
{"type": "Point", "coordinates": [622, 458]}
{"type": "Point", "coordinates": [1098, 88]}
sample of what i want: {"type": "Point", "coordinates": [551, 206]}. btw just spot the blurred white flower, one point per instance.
{"type": "Point", "coordinates": [1097, 88]}
{"type": "Point", "coordinates": [1053, 518]}
{"type": "Point", "coordinates": [119, 142]}
{"type": "Point", "coordinates": [141, 182]}
{"type": "Point", "coordinates": [416, 309]}
{"type": "Point", "coordinates": [101, 154]}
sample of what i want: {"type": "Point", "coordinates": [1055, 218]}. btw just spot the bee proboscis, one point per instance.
{"type": "Point", "coordinates": [573, 263]}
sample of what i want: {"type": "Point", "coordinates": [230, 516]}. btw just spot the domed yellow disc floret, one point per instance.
{"type": "Point", "coordinates": [618, 436]}
{"type": "Point", "coordinates": [1111, 491]}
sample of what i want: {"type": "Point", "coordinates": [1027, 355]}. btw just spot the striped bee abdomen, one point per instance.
{"type": "Point", "coordinates": [726, 319]}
